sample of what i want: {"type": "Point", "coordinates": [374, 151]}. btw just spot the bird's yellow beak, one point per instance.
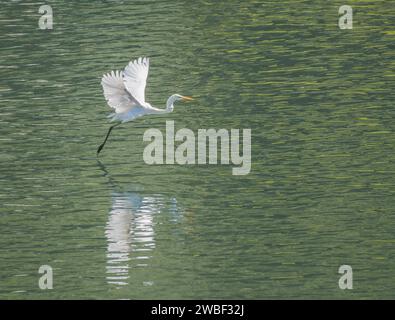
{"type": "Point", "coordinates": [184, 98]}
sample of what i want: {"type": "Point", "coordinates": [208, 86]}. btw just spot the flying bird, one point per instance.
{"type": "Point", "coordinates": [125, 93]}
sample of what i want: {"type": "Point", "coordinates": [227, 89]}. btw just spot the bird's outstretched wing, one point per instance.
{"type": "Point", "coordinates": [115, 92]}
{"type": "Point", "coordinates": [135, 78]}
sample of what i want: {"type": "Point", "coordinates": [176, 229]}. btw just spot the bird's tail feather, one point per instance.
{"type": "Point", "coordinates": [115, 117]}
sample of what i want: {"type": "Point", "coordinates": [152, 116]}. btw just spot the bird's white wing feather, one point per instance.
{"type": "Point", "coordinates": [115, 92]}
{"type": "Point", "coordinates": [135, 78]}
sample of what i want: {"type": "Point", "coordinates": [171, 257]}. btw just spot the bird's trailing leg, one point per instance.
{"type": "Point", "coordinates": [105, 140]}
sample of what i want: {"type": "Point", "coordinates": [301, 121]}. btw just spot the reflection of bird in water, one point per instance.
{"type": "Point", "coordinates": [130, 229]}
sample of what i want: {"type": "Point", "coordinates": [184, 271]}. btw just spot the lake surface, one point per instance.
{"type": "Point", "coordinates": [320, 194]}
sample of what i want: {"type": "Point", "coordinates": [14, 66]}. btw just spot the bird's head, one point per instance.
{"type": "Point", "coordinates": [175, 98]}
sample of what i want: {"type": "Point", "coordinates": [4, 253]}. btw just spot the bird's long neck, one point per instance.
{"type": "Point", "coordinates": [170, 103]}
{"type": "Point", "coordinates": [169, 106]}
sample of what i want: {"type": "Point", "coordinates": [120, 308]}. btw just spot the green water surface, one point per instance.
{"type": "Point", "coordinates": [320, 194]}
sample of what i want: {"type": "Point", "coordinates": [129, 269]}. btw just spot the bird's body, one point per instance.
{"type": "Point", "coordinates": [125, 93]}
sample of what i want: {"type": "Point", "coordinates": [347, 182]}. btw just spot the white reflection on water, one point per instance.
{"type": "Point", "coordinates": [130, 229]}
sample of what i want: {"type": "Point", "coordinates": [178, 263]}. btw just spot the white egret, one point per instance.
{"type": "Point", "coordinates": [125, 93]}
